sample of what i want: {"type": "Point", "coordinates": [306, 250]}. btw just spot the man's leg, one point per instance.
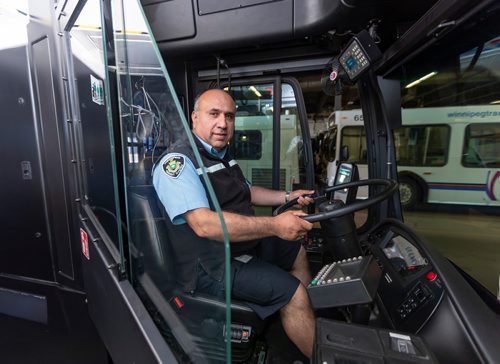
{"type": "Point", "coordinates": [298, 321]}
{"type": "Point", "coordinates": [300, 268]}
{"type": "Point", "coordinates": [297, 315]}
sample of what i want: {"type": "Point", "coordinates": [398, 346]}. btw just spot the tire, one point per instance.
{"type": "Point", "coordinates": [409, 192]}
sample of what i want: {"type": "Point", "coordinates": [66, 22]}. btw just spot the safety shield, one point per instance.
{"type": "Point", "coordinates": [157, 144]}
{"type": "Point", "coordinates": [143, 122]}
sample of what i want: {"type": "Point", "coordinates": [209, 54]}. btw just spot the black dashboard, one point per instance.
{"type": "Point", "coordinates": [424, 294]}
{"type": "Point", "coordinates": [410, 289]}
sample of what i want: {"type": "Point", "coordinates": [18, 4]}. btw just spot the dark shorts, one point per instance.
{"type": "Point", "coordinates": [263, 282]}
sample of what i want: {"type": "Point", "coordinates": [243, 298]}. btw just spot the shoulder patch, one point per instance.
{"type": "Point", "coordinates": [173, 166]}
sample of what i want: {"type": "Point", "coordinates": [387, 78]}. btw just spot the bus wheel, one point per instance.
{"type": "Point", "coordinates": [409, 192]}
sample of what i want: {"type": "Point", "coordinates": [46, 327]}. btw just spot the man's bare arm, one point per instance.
{"type": "Point", "coordinates": [206, 223]}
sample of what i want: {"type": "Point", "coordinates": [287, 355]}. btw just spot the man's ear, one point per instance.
{"type": "Point", "coordinates": [194, 118]}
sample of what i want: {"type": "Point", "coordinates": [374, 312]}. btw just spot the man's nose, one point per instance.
{"type": "Point", "coordinates": [221, 121]}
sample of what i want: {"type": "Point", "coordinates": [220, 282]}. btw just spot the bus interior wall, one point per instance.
{"type": "Point", "coordinates": [26, 232]}
{"type": "Point", "coordinates": [42, 305]}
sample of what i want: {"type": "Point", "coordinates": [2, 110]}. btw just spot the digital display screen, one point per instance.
{"type": "Point", "coordinates": [354, 60]}
{"type": "Point", "coordinates": [404, 256]}
{"type": "Point", "coordinates": [344, 175]}
{"type": "Point", "coordinates": [351, 62]}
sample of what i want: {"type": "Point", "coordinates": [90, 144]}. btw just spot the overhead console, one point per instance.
{"type": "Point", "coordinates": [181, 26]}
{"type": "Point", "coordinates": [410, 289]}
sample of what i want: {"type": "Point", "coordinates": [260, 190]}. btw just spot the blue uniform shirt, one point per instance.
{"type": "Point", "coordinates": [181, 192]}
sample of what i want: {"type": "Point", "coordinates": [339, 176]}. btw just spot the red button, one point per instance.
{"type": "Point", "coordinates": [178, 302]}
{"type": "Point", "coordinates": [431, 276]}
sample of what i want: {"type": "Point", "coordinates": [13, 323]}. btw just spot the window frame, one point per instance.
{"type": "Point", "coordinates": [448, 141]}
{"type": "Point", "coordinates": [465, 145]}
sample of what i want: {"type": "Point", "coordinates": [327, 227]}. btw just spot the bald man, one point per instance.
{"type": "Point", "coordinates": [269, 268]}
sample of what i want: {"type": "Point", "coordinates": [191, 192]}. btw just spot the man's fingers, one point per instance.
{"type": "Point", "coordinates": [300, 193]}
{"type": "Point", "coordinates": [305, 224]}
{"type": "Point", "coordinates": [306, 198]}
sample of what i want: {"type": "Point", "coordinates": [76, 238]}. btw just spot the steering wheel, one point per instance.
{"type": "Point", "coordinates": [390, 186]}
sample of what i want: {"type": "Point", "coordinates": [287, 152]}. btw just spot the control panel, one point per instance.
{"type": "Point", "coordinates": [340, 342]}
{"type": "Point", "coordinates": [347, 282]}
{"type": "Point", "coordinates": [313, 244]}
{"type": "Point", "coordinates": [359, 55]}
{"type": "Point", "coordinates": [354, 60]}
{"type": "Point", "coordinates": [415, 299]}
{"type": "Point", "coordinates": [410, 289]}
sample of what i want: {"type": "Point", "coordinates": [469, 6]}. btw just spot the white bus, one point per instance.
{"type": "Point", "coordinates": [252, 147]}
{"type": "Point", "coordinates": [444, 155]}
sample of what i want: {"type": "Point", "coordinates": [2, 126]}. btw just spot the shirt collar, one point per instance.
{"type": "Point", "coordinates": [218, 153]}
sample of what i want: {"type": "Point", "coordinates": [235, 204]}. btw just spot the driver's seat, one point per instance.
{"type": "Point", "coordinates": [203, 315]}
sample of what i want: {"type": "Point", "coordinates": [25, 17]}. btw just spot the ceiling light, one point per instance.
{"type": "Point", "coordinates": [421, 79]}
{"type": "Point", "coordinates": [255, 91]}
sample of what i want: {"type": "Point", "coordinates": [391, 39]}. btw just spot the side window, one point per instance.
{"type": "Point", "coordinates": [291, 143]}
{"type": "Point", "coordinates": [253, 144]}
{"type": "Point", "coordinates": [353, 145]}
{"type": "Point", "coordinates": [422, 145]}
{"type": "Point", "coordinates": [482, 146]}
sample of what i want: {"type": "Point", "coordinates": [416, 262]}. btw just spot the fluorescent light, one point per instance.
{"type": "Point", "coordinates": [421, 79]}
{"type": "Point", "coordinates": [495, 102]}
{"type": "Point", "coordinates": [255, 91]}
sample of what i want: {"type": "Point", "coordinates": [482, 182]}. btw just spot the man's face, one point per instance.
{"type": "Point", "coordinates": [214, 120]}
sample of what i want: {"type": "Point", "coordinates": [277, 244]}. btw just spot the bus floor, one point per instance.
{"type": "Point", "coordinates": [28, 342]}
{"type": "Point", "coordinates": [280, 350]}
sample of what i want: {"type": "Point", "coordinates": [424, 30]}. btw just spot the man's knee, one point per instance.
{"type": "Point", "coordinates": [301, 259]}
{"type": "Point", "coordinates": [300, 299]}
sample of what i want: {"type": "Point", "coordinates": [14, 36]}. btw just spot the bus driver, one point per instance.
{"type": "Point", "coordinates": [269, 268]}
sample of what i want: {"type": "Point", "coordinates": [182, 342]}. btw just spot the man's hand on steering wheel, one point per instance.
{"type": "Point", "coordinates": [388, 188]}
{"type": "Point", "coordinates": [289, 225]}
{"type": "Point", "coordinates": [302, 196]}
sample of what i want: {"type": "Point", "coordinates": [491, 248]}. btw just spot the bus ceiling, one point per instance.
{"type": "Point", "coordinates": [191, 28]}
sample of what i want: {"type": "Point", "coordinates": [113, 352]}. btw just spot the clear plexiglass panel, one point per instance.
{"type": "Point", "coordinates": [163, 264]}
{"type": "Point", "coordinates": [96, 142]}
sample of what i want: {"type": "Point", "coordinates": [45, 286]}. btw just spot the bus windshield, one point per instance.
{"type": "Point", "coordinates": [447, 149]}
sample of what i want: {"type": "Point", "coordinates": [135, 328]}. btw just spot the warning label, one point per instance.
{"type": "Point", "coordinates": [85, 243]}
